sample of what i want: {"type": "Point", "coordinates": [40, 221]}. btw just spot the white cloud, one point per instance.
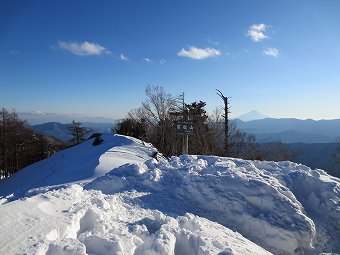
{"type": "Point", "coordinates": [256, 32]}
{"type": "Point", "coordinates": [123, 57]}
{"type": "Point", "coordinates": [197, 53]}
{"type": "Point", "coordinates": [147, 60]}
{"type": "Point", "coordinates": [271, 52]}
{"type": "Point", "coordinates": [162, 61]}
{"type": "Point", "coordinates": [83, 49]}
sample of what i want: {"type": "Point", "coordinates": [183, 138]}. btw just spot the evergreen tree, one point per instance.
{"type": "Point", "coordinates": [78, 133]}
{"type": "Point", "coordinates": [199, 142]}
{"type": "Point", "coordinates": [131, 127]}
{"type": "Point", "coordinates": [197, 111]}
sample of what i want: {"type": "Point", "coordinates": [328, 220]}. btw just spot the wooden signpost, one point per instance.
{"type": "Point", "coordinates": [184, 125]}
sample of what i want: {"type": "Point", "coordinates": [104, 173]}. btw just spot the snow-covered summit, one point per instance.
{"type": "Point", "coordinates": [252, 115]}
{"type": "Point", "coordinates": [115, 198]}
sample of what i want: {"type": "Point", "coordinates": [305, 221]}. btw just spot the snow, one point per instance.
{"type": "Point", "coordinates": [116, 198]}
{"type": "Point", "coordinates": [80, 163]}
{"type": "Point", "coordinates": [76, 221]}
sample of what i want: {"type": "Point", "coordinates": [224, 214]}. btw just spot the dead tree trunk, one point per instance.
{"type": "Point", "coordinates": [226, 122]}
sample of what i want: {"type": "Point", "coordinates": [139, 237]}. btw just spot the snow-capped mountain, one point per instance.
{"type": "Point", "coordinates": [121, 197]}
{"type": "Point", "coordinates": [252, 115]}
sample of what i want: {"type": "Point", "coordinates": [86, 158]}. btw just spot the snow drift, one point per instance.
{"type": "Point", "coordinates": [116, 199]}
{"type": "Point", "coordinates": [249, 197]}
{"type": "Point", "coordinates": [75, 221]}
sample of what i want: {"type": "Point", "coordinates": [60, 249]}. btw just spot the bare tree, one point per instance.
{"type": "Point", "coordinates": [226, 121]}
{"type": "Point", "coordinates": [154, 112]}
{"type": "Point", "coordinates": [216, 131]}
{"type": "Point", "coordinates": [336, 154]}
{"type": "Point", "coordinates": [278, 151]}
{"type": "Point", "coordinates": [212, 137]}
{"type": "Point", "coordinates": [251, 148]}
{"type": "Point", "coordinates": [19, 145]}
{"type": "Point", "coordinates": [335, 169]}
{"type": "Point", "coordinates": [4, 141]}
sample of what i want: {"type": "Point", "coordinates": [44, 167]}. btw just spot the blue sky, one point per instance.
{"type": "Point", "coordinates": [281, 58]}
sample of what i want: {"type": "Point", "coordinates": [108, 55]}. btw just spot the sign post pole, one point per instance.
{"type": "Point", "coordinates": [185, 145]}
{"type": "Point", "coordinates": [185, 128]}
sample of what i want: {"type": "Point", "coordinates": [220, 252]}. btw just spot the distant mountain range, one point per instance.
{"type": "Point", "coordinates": [293, 136]}
{"type": "Point", "coordinates": [62, 132]}
{"type": "Point", "coordinates": [292, 130]}
{"type": "Point", "coordinates": [265, 130]}
{"type": "Point", "coordinates": [36, 118]}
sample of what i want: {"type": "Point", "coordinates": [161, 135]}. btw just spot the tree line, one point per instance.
{"type": "Point", "coordinates": [19, 145]}
{"type": "Point", "coordinates": [154, 122]}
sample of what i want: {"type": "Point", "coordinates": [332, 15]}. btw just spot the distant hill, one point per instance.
{"type": "Point", "coordinates": [252, 115]}
{"type": "Point", "coordinates": [54, 129]}
{"type": "Point", "coordinates": [62, 132]}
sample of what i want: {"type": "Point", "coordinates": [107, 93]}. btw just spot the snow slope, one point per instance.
{"type": "Point", "coordinates": [81, 163]}
{"type": "Point", "coordinates": [116, 199]}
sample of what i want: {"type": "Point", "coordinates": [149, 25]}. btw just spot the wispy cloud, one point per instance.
{"type": "Point", "coordinates": [257, 32]}
{"type": "Point", "coordinates": [122, 57]}
{"type": "Point", "coordinates": [197, 53]}
{"type": "Point", "coordinates": [162, 61]}
{"type": "Point", "coordinates": [83, 48]}
{"type": "Point", "coordinates": [271, 52]}
{"type": "Point", "coordinates": [147, 60]}
{"type": "Point", "coordinates": [213, 42]}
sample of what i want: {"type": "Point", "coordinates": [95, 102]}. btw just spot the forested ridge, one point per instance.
{"type": "Point", "coordinates": [19, 145]}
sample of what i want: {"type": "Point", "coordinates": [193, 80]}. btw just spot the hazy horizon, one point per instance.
{"type": "Point", "coordinates": [35, 118]}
